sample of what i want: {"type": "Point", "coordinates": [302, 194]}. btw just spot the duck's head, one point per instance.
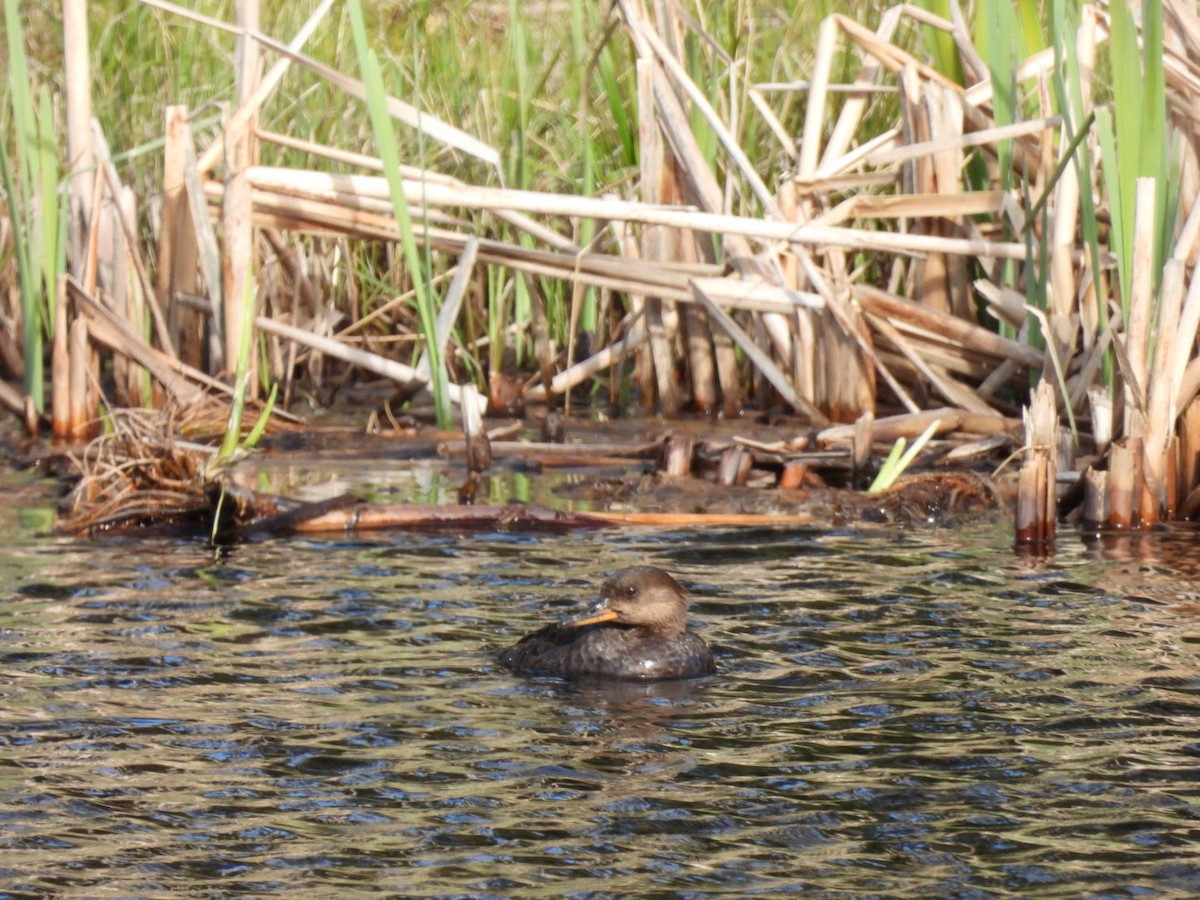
{"type": "Point", "coordinates": [641, 597]}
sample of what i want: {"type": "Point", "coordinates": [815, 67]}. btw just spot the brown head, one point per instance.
{"type": "Point", "coordinates": [643, 597]}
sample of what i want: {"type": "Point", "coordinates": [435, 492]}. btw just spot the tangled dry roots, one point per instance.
{"type": "Point", "coordinates": [138, 472]}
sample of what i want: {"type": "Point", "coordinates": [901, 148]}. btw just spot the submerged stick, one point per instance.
{"type": "Point", "coordinates": [525, 518]}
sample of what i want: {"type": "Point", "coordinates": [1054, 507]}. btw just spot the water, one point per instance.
{"type": "Point", "coordinates": [899, 713]}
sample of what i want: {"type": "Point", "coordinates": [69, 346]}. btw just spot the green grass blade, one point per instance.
{"type": "Point", "coordinates": [996, 34]}
{"type": "Point", "coordinates": [1121, 215]}
{"type": "Point", "coordinates": [385, 139]}
{"type": "Point", "coordinates": [24, 116]}
{"type": "Point", "coordinates": [22, 184]}
{"type": "Point", "coordinates": [260, 426]}
{"type": "Point", "coordinates": [899, 459]}
{"type": "Point", "coordinates": [940, 43]}
{"type": "Point", "coordinates": [888, 471]}
{"type": "Point", "coordinates": [241, 381]}
{"type": "Point", "coordinates": [48, 202]}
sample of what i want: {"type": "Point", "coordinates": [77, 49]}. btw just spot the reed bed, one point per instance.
{"type": "Point", "coordinates": [922, 221]}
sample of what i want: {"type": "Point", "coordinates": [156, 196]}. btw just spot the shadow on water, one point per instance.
{"type": "Point", "coordinates": [898, 713]}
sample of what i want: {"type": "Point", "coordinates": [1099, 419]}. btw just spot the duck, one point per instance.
{"type": "Point", "coordinates": [637, 632]}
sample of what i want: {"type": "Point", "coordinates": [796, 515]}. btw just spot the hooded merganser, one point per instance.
{"type": "Point", "coordinates": [638, 632]}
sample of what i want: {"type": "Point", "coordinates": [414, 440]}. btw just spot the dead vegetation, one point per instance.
{"type": "Point", "coordinates": [909, 256]}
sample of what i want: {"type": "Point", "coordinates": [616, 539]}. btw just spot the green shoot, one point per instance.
{"type": "Point", "coordinates": [899, 460]}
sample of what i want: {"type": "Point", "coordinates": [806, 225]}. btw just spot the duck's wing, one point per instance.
{"type": "Point", "coordinates": [538, 651]}
{"type": "Point", "coordinates": [605, 652]}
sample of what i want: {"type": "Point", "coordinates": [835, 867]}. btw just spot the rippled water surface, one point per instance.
{"type": "Point", "coordinates": [899, 713]}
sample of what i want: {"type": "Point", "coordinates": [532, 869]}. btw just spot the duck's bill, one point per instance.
{"type": "Point", "coordinates": [599, 615]}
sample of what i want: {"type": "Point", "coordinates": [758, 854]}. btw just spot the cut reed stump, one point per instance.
{"type": "Point", "coordinates": [1037, 504]}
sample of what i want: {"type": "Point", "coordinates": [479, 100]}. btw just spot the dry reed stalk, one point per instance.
{"type": "Point", "coordinates": [533, 228]}
{"type": "Point", "coordinates": [914, 206]}
{"type": "Point", "coordinates": [818, 90]}
{"type": "Point", "coordinates": [1160, 404]}
{"type": "Point", "coordinates": [734, 466]}
{"type": "Point", "coordinates": [475, 439]}
{"type": "Point", "coordinates": [127, 220]}
{"type": "Point", "coordinates": [947, 357]}
{"type": "Point", "coordinates": [680, 80]}
{"type": "Point", "coordinates": [632, 275]}
{"type": "Point", "coordinates": [527, 518]}
{"type": "Point", "coordinates": [700, 352]}
{"type": "Point", "coordinates": [116, 334]}
{"type": "Point", "coordinates": [350, 190]}
{"type": "Point", "coordinates": [12, 400]}
{"type": "Point", "coordinates": [654, 372]}
{"type": "Point", "coordinates": [306, 293]}
{"type": "Point", "coordinates": [700, 345]}
{"type": "Point", "coordinates": [860, 448]}
{"type": "Point", "coordinates": [91, 264]}
{"type": "Point", "coordinates": [958, 394]}
{"type": "Point", "coordinates": [128, 379]}
{"type": "Point", "coordinates": [177, 251]}
{"type": "Point", "coordinates": [60, 365]}
{"type": "Point", "coordinates": [451, 304]}
{"type": "Point", "coordinates": [845, 131]}
{"type": "Point", "coordinates": [686, 173]}
{"type": "Point", "coordinates": [237, 255]}
{"type": "Point", "coordinates": [189, 389]}
{"type": "Point", "coordinates": [403, 375]}
{"type": "Point", "coordinates": [79, 353]}
{"type": "Point", "coordinates": [1189, 460]}
{"type": "Point", "coordinates": [1171, 486]}
{"type": "Point", "coordinates": [1095, 514]}
{"type": "Point", "coordinates": [728, 373]}
{"type": "Point", "coordinates": [1062, 297]}
{"type": "Point", "coordinates": [539, 327]}
{"type": "Point", "coordinates": [1037, 498]}
{"type": "Point", "coordinates": [208, 251]}
{"type": "Point", "coordinates": [848, 350]}
{"type": "Point", "coordinates": [967, 334]}
{"type": "Point", "coordinates": [77, 86]}
{"type": "Point", "coordinates": [577, 374]}
{"type": "Point", "coordinates": [1141, 309]}
{"type": "Point", "coordinates": [888, 54]}
{"type": "Point", "coordinates": [762, 362]}
{"type": "Point", "coordinates": [889, 429]}
{"type": "Point", "coordinates": [1123, 479]}
{"type": "Point", "coordinates": [946, 118]}
{"type": "Point", "coordinates": [247, 112]}
{"type": "Point", "coordinates": [238, 260]}
{"type": "Point", "coordinates": [1101, 406]}
{"type": "Point", "coordinates": [677, 455]}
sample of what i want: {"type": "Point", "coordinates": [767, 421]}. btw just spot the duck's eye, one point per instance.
{"type": "Point", "coordinates": [631, 590]}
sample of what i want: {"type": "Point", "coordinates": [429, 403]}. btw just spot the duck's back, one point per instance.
{"type": "Point", "coordinates": [605, 651]}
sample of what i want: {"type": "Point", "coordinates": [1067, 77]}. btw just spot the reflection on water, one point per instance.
{"type": "Point", "coordinates": [897, 714]}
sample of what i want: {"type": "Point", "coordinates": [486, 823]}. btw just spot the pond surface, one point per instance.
{"type": "Point", "coordinates": [900, 712]}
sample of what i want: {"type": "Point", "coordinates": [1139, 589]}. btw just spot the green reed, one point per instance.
{"type": "Point", "coordinates": [31, 182]}
{"type": "Point", "coordinates": [385, 140]}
